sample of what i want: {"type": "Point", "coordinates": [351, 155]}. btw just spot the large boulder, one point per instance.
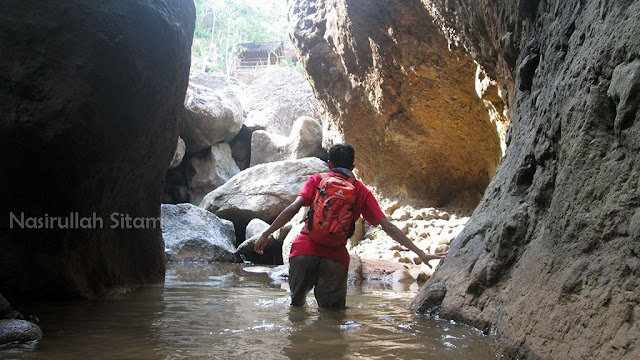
{"type": "Point", "coordinates": [549, 261]}
{"type": "Point", "coordinates": [212, 113]}
{"type": "Point", "coordinates": [277, 98]}
{"type": "Point", "coordinates": [261, 192]}
{"type": "Point", "coordinates": [209, 170]}
{"type": "Point", "coordinates": [268, 147]}
{"type": "Point", "coordinates": [194, 234]}
{"type": "Point", "coordinates": [305, 140]}
{"type": "Point", "coordinates": [88, 109]}
{"type": "Point", "coordinates": [394, 89]}
{"type": "Point", "coordinates": [18, 332]}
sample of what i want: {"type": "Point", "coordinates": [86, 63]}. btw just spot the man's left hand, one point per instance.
{"type": "Point", "coordinates": [260, 244]}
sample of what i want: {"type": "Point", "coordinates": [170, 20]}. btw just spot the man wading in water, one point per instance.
{"type": "Point", "coordinates": [318, 255]}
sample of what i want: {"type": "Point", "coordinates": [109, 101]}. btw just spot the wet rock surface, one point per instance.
{"type": "Point", "coordinates": [18, 332]}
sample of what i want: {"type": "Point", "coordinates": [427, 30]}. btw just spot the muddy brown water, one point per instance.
{"type": "Point", "coordinates": [234, 311]}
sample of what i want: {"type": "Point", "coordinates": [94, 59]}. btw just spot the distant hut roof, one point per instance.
{"type": "Point", "coordinates": [260, 54]}
{"type": "Point", "coordinates": [265, 46]}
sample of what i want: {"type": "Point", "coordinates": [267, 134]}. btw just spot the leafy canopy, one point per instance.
{"type": "Point", "coordinates": [223, 24]}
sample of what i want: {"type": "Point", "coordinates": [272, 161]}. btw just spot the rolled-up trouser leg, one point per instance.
{"type": "Point", "coordinates": [303, 274]}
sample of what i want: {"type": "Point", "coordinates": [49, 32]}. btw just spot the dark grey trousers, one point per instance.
{"type": "Point", "coordinates": [328, 276]}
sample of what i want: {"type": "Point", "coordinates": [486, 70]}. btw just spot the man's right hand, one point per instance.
{"type": "Point", "coordinates": [260, 244]}
{"type": "Point", "coordinates": [428, 257]}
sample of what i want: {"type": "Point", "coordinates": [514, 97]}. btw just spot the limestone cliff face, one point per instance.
{"type": "Point", "coordinates": [395, 91]}
{"type": "Point", "coordinates": [89, 93]}
{"type": "Point", "coordinates": [549, 261]}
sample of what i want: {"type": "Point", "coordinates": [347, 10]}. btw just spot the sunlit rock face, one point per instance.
{"type": "Point", "coordinates": [89, 93]}
{"type": "Point", "coordinates": [395, 90]}
{"type": "Point", "coordinates": [549, 262]}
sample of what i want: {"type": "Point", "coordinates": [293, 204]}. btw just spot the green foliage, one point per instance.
{"type": "Point", "coordinates": [223, 24]}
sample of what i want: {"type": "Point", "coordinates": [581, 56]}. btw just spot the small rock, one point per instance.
{"type": "Point", "coordinates": [18, 331]}
{"type": "Point", "coordinates": [405, 227]}
{"type": "Point", "coordinates": [279, 272]}
{"type": "Point", "coordinates": [355, 270]}
{"type": "Point", "coordinates": [397, 247]}
{"type": "Point", "coordinates": [430, 214]}
{"type": "Point", "coordinates": [434, 231]}
{"type": "Point", "coordinates": [402, 276]}
{"type": "Point", "coordinates": [418, 275]}
{"type": "Point", "coordinates": [401, 215]}
{"type": "Point", "coordinates": [389, 209]}
{"type": "Point", "coordinates": [255, 228]}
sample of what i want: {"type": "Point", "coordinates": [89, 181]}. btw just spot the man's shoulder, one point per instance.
{"type": "Point", "coordinates": [362, 189]}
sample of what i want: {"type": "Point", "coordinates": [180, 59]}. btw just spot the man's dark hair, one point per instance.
{"type": "Point", "coordinates": [342, 155]}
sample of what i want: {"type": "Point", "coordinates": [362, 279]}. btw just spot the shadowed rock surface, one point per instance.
{"type": "Point", "coordinates": [394, 90]}
{"type": "Point", "coordinates": [548, 264]}
{"type": "Point", "coordinates": [89, 93]}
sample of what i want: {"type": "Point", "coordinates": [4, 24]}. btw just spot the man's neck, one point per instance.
{"type": "Point", "coordinates": [343, 171]}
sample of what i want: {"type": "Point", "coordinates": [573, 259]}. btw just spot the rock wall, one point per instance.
{"type": "Point", "coordinates": [89, 93]}
{"type": "Point", "coordinates": [549, 262]}
{"type": "Point", "coordinates": [394, 90]}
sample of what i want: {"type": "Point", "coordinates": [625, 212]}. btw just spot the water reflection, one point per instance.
{"type": "Point", "coordinates": [316, 333]}
{"type": "Point", "coordinates": [223, 311]}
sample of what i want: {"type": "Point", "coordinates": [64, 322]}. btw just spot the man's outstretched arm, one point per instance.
{"type": "Point", "coordinates": [285, 216]}
{"type": "Point", "coordinates": [397, 235]}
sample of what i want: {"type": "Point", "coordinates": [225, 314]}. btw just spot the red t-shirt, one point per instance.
{"type": "Point", "coordinates": [366, 205]}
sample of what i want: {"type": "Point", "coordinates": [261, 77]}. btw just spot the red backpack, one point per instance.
{"type": "Point", "coordinates": [330, 218]}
